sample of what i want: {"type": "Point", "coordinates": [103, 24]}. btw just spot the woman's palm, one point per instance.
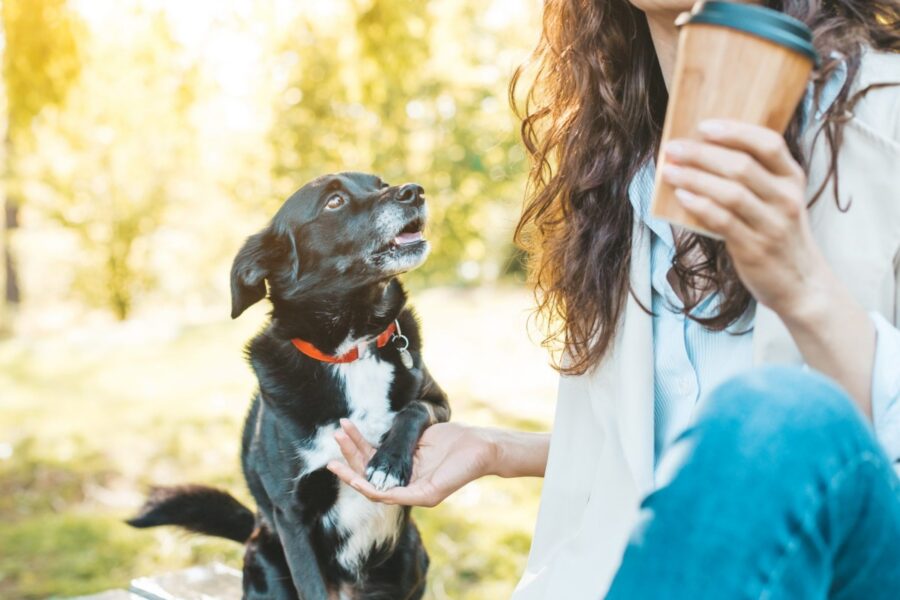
{"type": "Point", "coordinates": [447, 457]}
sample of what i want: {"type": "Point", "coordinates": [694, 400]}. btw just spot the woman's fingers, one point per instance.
{"type": "Point", "coordinates": [732, 196]}
{"type": "Point", "coordinates": [742, 181]}
{"type": "Point", "coordinates": [765, 145]}
{"type": "Point", "coordinates": [416, 494]}
{"type": "Point", "coordinates": [356, 481]}
{"type": "Point", "coordinates": [347, 474]}
{"type": "Point", "coordinates": [364, 446]}
{"type": "Point", "coordinates": [352, 454]}
{"type": "Point", "coordinates": [356, 450]}
{"type": "Point", "coordinates": [727, 163]}
{"type": "Point", "coordinates": [716, 219]}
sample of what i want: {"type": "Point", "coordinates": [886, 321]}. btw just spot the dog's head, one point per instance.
{"type": "Point", "coordinates": [336, 234]}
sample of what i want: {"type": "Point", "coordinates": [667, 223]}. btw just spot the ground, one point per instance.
{"type": "Point", "coordinates": [89, 418]}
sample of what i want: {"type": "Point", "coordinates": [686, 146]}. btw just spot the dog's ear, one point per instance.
{"type": "Point", "coordinates": [249, 271]}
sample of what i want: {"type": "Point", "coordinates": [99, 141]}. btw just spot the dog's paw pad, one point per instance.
{"type": "Point", "coordinates": [382, 481]}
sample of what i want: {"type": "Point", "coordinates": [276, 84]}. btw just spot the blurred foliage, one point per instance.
{"type": "Point", "coordinates": [165, 132]}
{"type": "Point", "coordinates": [40, 61]}
{"type": "Point", "coordinates": [116, 156]}
{"type": "Point", "coordinates": [40, 58]}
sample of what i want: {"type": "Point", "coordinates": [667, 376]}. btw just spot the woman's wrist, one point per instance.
{"type": "Point", "coordinates": [825, 323]}
{"type": "Point", "coordinates": [822, 308]}
{"type": "Point", "coordinates": [514, 453]}
{"type": "Point", "coordinates": [809, 305]}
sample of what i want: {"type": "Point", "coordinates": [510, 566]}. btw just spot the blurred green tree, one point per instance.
{"type": "Point", "coordinates": [40, 62]}
{"type": "Point", "coordinates": [117, 154]}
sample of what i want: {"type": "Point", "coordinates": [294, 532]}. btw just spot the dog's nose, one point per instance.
{"type": "Point", "coordinates": [410, 192]}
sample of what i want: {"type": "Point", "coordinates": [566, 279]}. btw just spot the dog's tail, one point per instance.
{"type": "Point", "coordinates": [196, 508]}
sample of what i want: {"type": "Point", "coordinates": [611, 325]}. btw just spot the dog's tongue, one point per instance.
{"type": "Point", "coordinates": [408, 238]}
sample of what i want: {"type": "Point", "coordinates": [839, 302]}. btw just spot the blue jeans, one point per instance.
{"type": "Point", "coordinates": [778, 491]}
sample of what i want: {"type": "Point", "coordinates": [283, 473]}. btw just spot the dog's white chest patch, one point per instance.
{"type": "Point", "coordinates": [363, 523]}
{"type": "Point", "coordinates": [367, 383]}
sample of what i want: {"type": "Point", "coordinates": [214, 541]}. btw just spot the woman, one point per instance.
{"type": "Point", "coordinates": [682, 463]}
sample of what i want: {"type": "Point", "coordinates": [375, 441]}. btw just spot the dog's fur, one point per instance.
{"type": "Point", "coordinates": [331, 266]}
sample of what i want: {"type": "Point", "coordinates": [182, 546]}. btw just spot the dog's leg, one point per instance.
{"type": "Point", "coordinates": [403, 575]}
{"type": "Point", "coordinates": [393, 461]}
{"type": "Point", "coordinates": [300, 556]}
{"type": "Point", "coordinates": [266, 573]}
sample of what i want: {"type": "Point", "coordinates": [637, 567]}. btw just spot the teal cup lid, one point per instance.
{"type": "Point", "coordinates": [756, 20]}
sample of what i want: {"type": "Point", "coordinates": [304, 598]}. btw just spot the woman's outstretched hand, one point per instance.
{"type": "Point", "coordinates": [449, 456]}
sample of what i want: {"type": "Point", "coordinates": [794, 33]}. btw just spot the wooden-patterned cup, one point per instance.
{"type": "Point", "coordinates": [735, 61]}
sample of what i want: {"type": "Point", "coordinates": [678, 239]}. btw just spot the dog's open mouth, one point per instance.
{"type": "Point", "coordinates": [406, 249]}
{"type": "Point", "coordinates": [408, 237]}
{"type": "Point", "coordinates": [410, 234]}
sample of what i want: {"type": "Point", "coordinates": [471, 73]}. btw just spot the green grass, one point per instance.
{"type": "Point", "coordinates": [90, 418]}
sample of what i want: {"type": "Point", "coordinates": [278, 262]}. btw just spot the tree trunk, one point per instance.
{"type": "Point", "coordinates": [9, 281]}
{"type": "Point", "coordinates": [10, 293]}
{"type": "Point", "coordinates": [5, 324]}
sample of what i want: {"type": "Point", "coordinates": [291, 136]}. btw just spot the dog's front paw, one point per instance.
{"type": "Point", "coordinates": [388, 469]}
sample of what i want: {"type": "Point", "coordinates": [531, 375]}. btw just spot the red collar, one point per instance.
{"type": "Point", "coordinates": [350, 356]}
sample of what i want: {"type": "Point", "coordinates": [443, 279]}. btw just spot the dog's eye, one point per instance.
{"type": "Point", "coordinates": [334, 202]}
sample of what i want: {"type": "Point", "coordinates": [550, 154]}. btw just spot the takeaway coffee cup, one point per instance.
{"type": "Point", "coordinates": [735, 61]}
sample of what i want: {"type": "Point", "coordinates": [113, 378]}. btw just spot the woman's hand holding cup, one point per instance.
{"type": "Point", "coordinates": [741, 183]}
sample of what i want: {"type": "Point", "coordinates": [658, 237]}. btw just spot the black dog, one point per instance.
{"type": "Point", "coordinates": [340, 344]}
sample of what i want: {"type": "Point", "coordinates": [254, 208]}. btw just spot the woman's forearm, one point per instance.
{"type": "Point", "coordinates": [836, 336]}
{"type": "Point", "coordinates": [517, 453]}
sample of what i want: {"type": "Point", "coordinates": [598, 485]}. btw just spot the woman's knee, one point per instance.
{"type": "Point", "coordinates": [777, 409]}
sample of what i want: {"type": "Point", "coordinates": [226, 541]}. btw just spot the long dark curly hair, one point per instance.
{"type": "Point", "coordinates": [593, 115]}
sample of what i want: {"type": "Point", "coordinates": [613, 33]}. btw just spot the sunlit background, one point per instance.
{"type": "Point", "coordinates": [143, 141]}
